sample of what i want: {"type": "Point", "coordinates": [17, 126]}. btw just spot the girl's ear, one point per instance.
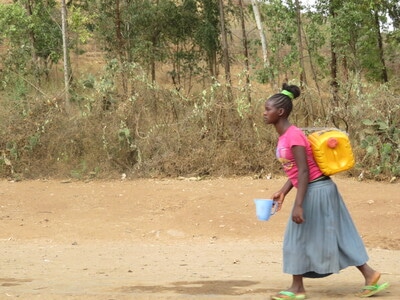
{"type": "Point", "coordinates": [281, 112]}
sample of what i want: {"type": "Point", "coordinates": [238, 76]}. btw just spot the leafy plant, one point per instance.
{"type": "Point", "coordinates": [382, 143]}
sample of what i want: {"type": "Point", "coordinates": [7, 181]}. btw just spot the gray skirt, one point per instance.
{"type": "Point", "coordinates": [327, 241]}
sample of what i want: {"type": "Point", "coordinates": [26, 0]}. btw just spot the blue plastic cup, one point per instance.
{"type": "Point", "coordinates": [265, 208]}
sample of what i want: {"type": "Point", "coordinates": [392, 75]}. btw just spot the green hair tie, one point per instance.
{"type": "Point", "coordinates": [287, 93]}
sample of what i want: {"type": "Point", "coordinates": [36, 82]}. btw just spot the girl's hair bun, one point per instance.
{"type": "Point", "coordinates": [294, 89]}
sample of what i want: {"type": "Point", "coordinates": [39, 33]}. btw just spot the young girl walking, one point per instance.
{"type": "Point", "coordinates": [320, 237]}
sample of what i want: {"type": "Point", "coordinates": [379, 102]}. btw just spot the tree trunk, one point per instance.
{"type": "Point", "coordinates": [225, 51]}
{"type": "Point", "coordinates": [245, 51]}
{"type": "Point", "coordinates": [334, 69]}
{"type": "Point", "coordinates": [28, 7]}
{"type": "Point", "coordinates": [257, 17]}
{"type": "Point", "coordinates": [334, 80]}
{"type": "Point", "coordinates": [67, 71]}
{"type": "Point", "coordinates": [153, 59]}
{"type": "Point", "coordinates": [303, 79]}
{"type": "Point", "coordinates": [120, 43]}
{"type": "Point", "coordinates": [384, 74]}
{"type": "Point", "coordinates": [314, 75]}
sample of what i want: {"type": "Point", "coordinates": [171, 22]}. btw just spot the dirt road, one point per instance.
{"type": "Point", "coordinates": [173, 239]}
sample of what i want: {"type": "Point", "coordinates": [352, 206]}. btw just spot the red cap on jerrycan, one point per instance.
{"type": "Point", "coordinates": [332, 142]}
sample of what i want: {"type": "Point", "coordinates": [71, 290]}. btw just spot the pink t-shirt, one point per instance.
{"type": "Point", "coordinates": [295, 137]}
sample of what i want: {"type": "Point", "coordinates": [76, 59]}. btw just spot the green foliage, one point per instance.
{"type": "Point", "coordinates": [46, 32]}
{"type": "Point", "coordinates": [207, 33]}
{"type": "Point", "coordinates": [162, 32]}
{"type": "Point", "coordinates": [79, 24]}
{"type": "Point", "coordinates": [354, 33]}
{"type": "Point", "coordinates": [35, 39]}
{"type": "Point", "coordinates": [13, 34]}
{"type": "Point", "coordinates": [379, 134]}
{"type": "Point", "coordinates": [281, 32]}
{"type": "Point", "coordinates": [265, 75]}
{"type": "Point", "coordinates": [13, 23]}
{"type": "Point", "coordinates": [316, 33]}
{"type": "Point", "coordinates": [382, 144]}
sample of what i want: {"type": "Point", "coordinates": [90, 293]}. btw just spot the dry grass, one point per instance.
{"type": "Point", "coordinates": [155, 132]}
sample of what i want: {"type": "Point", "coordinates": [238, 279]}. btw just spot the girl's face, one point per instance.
{"type": "Point", "coordinates": [271, 113]}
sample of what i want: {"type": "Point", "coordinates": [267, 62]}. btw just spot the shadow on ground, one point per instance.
{"type": "Point", "coordinates": [217, 287]}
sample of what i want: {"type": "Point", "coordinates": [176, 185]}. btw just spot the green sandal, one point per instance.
{"type": "Point", "coordinates": [285, 295]}
{"type": "Point", "coordinates": [369, 290]}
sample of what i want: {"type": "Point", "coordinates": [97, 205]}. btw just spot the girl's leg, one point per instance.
{"type": "Point", "coordinates": [297, 288]}
{"type": "Point", "coordinates": [371, 276]}
{"type": "Point", "coordinates": [297, 285]}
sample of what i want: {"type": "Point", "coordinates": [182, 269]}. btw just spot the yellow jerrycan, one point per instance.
{"type": "Point", "coordinates": [332, 150]}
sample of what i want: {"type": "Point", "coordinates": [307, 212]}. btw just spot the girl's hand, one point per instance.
{"type": "Point", "coordinates": [278, 197]}
{"type": "Point", "coordinates": [297, 214]}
